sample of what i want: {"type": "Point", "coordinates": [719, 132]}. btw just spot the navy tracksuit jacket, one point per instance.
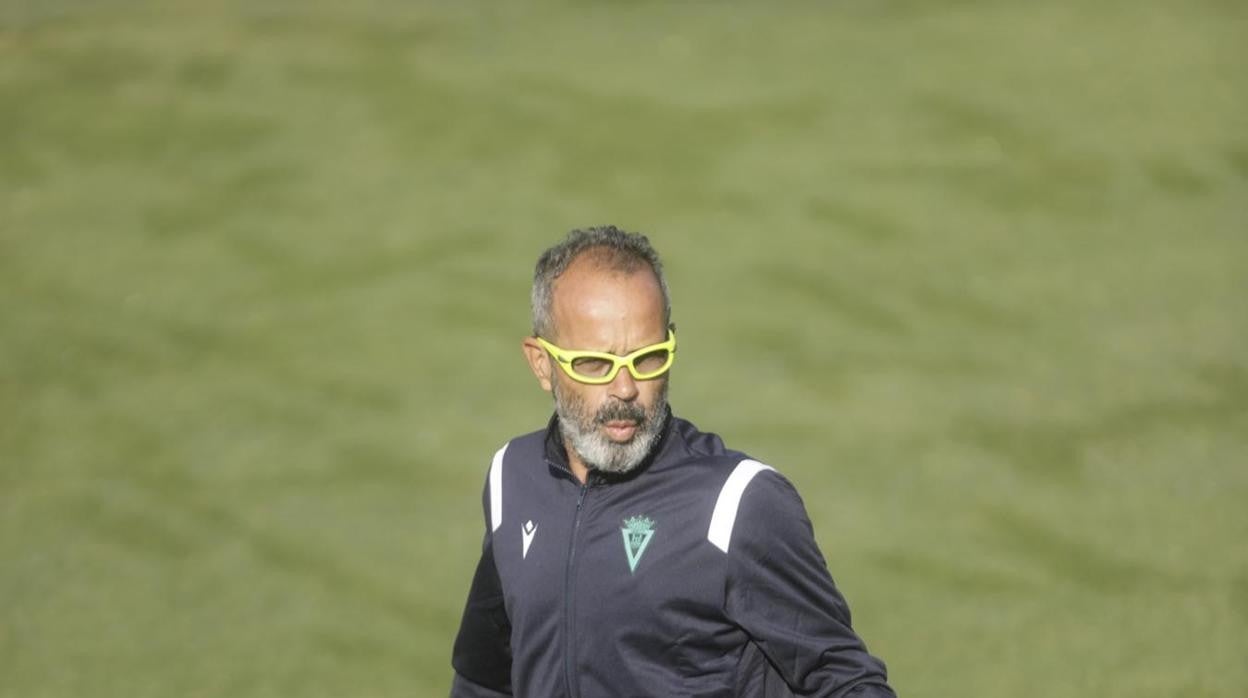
{"type": "Point", "coordinates": [697, 574]}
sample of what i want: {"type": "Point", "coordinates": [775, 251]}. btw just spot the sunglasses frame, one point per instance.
{"type": "Point", "coordinates": [564, 358]}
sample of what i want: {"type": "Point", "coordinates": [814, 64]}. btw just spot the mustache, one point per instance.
{"type": "Point", "coordinates": [620, 411]}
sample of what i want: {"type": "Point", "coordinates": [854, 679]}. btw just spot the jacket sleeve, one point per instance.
{"type": "Point", "coordinates": [482, 654]}
{"type": "Point", "coordinates": [780, 592]}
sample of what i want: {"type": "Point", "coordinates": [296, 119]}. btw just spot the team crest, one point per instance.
{"type": "Point", "coordinates": [638, 531]}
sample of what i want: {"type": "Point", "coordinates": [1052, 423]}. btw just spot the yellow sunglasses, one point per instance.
{"type": "Point", "coordinates": [597, 367]}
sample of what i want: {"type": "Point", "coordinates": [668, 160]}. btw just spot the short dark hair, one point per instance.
{"type": "Point", "coordinates": [615, 249]}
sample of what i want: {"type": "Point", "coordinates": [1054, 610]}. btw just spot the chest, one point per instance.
{"type": "Point", "coordinates": [614, 555]}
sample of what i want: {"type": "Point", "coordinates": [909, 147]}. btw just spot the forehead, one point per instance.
{"type": "Point", "coordinates": [597, 307]}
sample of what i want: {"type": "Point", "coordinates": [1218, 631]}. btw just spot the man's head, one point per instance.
{"type": "Point", "coordinates": [602, 290]}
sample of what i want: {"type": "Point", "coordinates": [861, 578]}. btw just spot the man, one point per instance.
{"type": "Point", "coordinates": [627, 553]}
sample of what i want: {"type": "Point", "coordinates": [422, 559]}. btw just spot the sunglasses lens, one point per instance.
{"type": "Point", "coordinates": [652, 362]}
{"type": "Point", "coordinates": [591, 367]}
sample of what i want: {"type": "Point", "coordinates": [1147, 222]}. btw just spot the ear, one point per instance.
{"type": "Point", "coordinates": [539, 362]}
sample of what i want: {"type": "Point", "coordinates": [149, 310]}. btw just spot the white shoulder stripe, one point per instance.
{"type": "Point", "coordinates": [496, 488]}
{"type": "Point", "coordinates": [720, 533]}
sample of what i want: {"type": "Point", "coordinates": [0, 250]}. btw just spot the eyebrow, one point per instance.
{"type": "Point", "coordinates": [630, 351]}
{"type": "Point", "coordinates": [621, 354]}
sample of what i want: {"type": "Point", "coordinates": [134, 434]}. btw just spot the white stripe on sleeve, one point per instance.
{"type": "Point", "coordinates": [720, 533]}
{"type": "Point", "coordinates": [496, 488]}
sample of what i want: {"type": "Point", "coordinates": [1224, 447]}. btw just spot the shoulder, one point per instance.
{"type": "Point", "coordinates": [696, 453]}
{"type": "Point", "coordinates": [525, 447]}
{"type": "Point", "coordinates": [503, 468]}
{"type": "Point", "coordinates": [530, 444]}
{"type": "Point", "coordinates": [754, 500]}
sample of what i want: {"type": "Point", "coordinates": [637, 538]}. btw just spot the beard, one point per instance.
{"type": "Point", "coordinates": [581, 429]}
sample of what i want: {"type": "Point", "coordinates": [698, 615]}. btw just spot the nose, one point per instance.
{"type": "Point", "coordinates": [624, 386]}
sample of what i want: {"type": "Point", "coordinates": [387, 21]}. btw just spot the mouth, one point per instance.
{"type": "Point", "coordinates": [620, 430]}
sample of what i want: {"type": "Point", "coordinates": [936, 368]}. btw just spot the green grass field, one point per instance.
{"type": "Point", "coordinates": [972, 274]}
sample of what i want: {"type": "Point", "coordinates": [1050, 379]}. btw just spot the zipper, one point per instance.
{"type": "Point", "coordinates": [569, 606]}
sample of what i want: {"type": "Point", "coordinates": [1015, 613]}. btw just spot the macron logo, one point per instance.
{"type": "Point", "coordinates": [530, 528]}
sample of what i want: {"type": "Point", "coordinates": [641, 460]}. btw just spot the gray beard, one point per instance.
{"type": "Point", "coordinates": [581, 430]}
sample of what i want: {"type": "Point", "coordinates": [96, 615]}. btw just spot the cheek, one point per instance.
{"type": "Point", "coordinates": [585, 398]}
{"type": "Point", "coordinates": [649, 392]}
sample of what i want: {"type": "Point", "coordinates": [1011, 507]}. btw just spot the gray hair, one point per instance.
{"type": "Point", "coordinates": [615, 249]}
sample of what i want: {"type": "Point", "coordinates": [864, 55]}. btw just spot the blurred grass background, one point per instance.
{"type": "Point", "coordinates": [972, 274]}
